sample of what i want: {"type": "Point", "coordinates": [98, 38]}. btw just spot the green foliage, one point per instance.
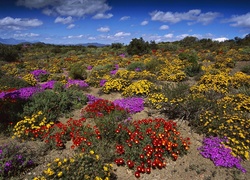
{"type": "Point", "coordinates": [246, 69]}
{"type": "Point", "coordinates": [134, 65]}
{"type": "Point", "coordinates": [14, 160]}
{"type": "Point", "coordinates": [153, 65]}
{"type": "Point", "coordinates": [55, 103]}
{"type": "Point", "coordinates": [12, 82]}
{"type": "Point", "coordinates": [8, 53]}
{"type": "Point", "coordinates": [193, 69]}
{"type": "Point", "coordinates": [116, 45]}
{"type": "Point", "coordinates": [77, 71]}
{"type": "Point", "coordinates": [138, 47]}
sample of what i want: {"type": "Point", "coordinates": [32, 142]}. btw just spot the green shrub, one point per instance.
{"type": "Point", "coordinates": [138, 47]}
{"type": "Point", "coordinates": [55, 103]}
{"type": "Point", "coordinates": [8, 53]}
{"type": "Point", "coordinates": [78, 72]}
{"type": "Point", "coordinates": [13, 82]}
{"type": "Point", "coordinates": [136, 65]}
{"type": "Point", "coordinates": [246, 69]}
{"type": "Point", "coordinates": [153, 65]}
{"type": "Point", "coordinates": [193, 69]}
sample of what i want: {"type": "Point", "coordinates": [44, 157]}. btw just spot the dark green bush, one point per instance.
{"type": "Point", "coordinates": [153, 65]}
{"type": "Point", "coordinates": [246, 69]}
{"type": "Point", "coordinates": [134, 65]}
{"type": "Point", "coordinates": [138, 47]}
{"type": "Point", "coordinates": [8, 53]}
{"type": "Point", "coordinates": [193, 69]}
{"type": "Point", "coordinates": [78, 71]}
{"type": "Point", "coordinates": [12, 82]}
{"type": "Point", "coordinates": [116, 45]}
{"type": "Point", "coordinates": [55, 103]}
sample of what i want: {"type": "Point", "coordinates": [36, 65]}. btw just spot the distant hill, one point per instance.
{"type": "Point", "coordinates": [12, 41]}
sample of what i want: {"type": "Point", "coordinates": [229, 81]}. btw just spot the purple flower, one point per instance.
{"type": "Point", "coordinates": [27, 92]}
{"type": "Point", "coordinates": [38, 73]}
{"type": "Point", "coordinates": [133, 105]}
{"type": "Point", "coordinates": [122, 55]}
{"type": "Point", "coordinates": [79, 83]}
{"type": "Point", "coordinates": [214, 149]}
{"type": "Point", "coordinates": [89, 67]}
{"type": "Point", "coordinates": [48, 85]}
{"type": "Point", "coordinates": [137, 69]}
{"type": "Point", "coordinates": [113, 72]}
{"type": "Point", "coordinates": [92, 99]}
{"type": "Point", "coordinates": [102, 82]}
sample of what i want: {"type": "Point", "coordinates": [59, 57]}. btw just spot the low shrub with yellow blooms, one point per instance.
{"type": "Point", "coordinates": [31, 127]}
{"type": "Point", "coordinates": [80, 166]}
{"type": "Point", "coordinates": [139, 88]}
{"type": "Point", "coordinates": [115, 85]}
{"type": "Point", "coordinates": [29, 78]}
{"type": "Point", "coordinates": [156, 100]}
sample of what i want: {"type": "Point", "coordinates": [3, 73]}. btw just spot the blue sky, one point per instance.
{"type": "Point", "coordinates": [112, 21]}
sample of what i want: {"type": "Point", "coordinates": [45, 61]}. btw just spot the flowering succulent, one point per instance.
{"type": "Point", "coordinates": [12, 161]}
{"type": "Point", "coordinates": [214, 149]}
{"type": "Point", "coordinates": [40, 74]}
{"type": "Point", "coordinates": [133, 105]}
{"type": "Point", "coordinates": [115, 85]}
{"type": "Point", "coordinates": [78, 83]}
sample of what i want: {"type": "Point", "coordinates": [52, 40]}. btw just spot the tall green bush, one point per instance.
{"type": "Point", "coordinates": [138, 47]}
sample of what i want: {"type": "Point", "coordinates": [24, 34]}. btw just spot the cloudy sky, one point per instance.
{"type": "Point", "coordinates": [111, 21]}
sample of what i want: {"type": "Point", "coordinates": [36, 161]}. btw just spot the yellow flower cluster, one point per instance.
{"type": "Point", "coordinates": [234, 127]}
{"type": "Point", "coordinates": [115, 85]}
{"type": "Point", "coordinates": [240, 79]}
{"type": "Point", "coordinates": [29, 78]}
{"type": "Point", "coordinates": [239, 102]}
{"type": "Point", "coordinates": [172, 71]}
{"type": "Point", "coordinates": [30, 126]}
{"type": "Point", "coordinates": [125, 74]}
{"type": "Point", "coordinates": [213, 82]}
{"type": "Point", "coordinates": [10, 69]}
{"type": "Point", "coordinates": [85, 166]}
{"type": "Point", "coordinates": [141, 87]}
{"type": "Point", "coordinates": [157, 99]}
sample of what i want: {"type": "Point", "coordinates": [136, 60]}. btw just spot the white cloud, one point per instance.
{"type": "Point", "coordinates": [74, 37]}
{"type": "Point", "coordinates": [122, 34]}
{"type": "Point", "coordinates": [182, 36]}
{"type": "Point", "coordinates": [91, 38]}
{"type": "Point", "coordinates": [102, 16]}
{"type": "Point", "coordinates": [25, 35]}
{"type": "Point", "coordinates": [62, 20]}
{"type": "Point", "coordinates": [169, 36]}
{"type": "Point", "coordinates": [79, 8]}
{"type": "Point", "coordinates": [194, 15]}
{"type": "Point", "coordinates": [124, 18]}
{"type": "Point", "coordinates": [143, 23]}
{"type": "Point", "coordinates": [220, 39]}
{"type": "Point", "coordinates": [103, 29]}
{"type": "Point", "coordinates": [164, 27]}
{"type": "Point", "coordinates": [19, 23]}
{"type": "Point", "coordinates": [240, 21]}
{"type": "Point", "coordinates": [71, 26]}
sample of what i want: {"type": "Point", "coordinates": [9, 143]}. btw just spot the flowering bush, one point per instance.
{"type": "Point", "coordinates": [139, 88]}
{"type": "Point", "coordinates": [115, 85]}
{"type": "Point", "coordinates": [29, 78]}
{"type": "Point", "coordinates": [40, 75]}
{"type": "Point", "coordinates": [12, 161]}
{"type": "Point", "coordinates": [156, 100]}
{"type": "Point", "coordinates": [78, 83]}
{"type": "Point", "coordinates": [80, 166]}
{"type": "Point", "coordinates": [214, 149]}
{"type": "Point", "coordinates": [31, 127]}
{"type": "Point", "coordinates": [133, 105]}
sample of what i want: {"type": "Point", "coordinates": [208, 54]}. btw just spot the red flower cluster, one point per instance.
{"type": "Point", "coordinates": [149, 141]}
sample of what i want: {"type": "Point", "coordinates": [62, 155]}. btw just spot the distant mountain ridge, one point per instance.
{"type": "Point", "coordinates": [12, 41]}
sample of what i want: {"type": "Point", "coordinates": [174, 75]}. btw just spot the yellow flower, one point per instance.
{"type": "Point", "coordinates": [105, 168]}
{"type": "Point", "coordinates": [97, 157]}
{"type": "Point", "coordinates": [59, 174]}
{"type": "Point", "coordinates": [92, 152]}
